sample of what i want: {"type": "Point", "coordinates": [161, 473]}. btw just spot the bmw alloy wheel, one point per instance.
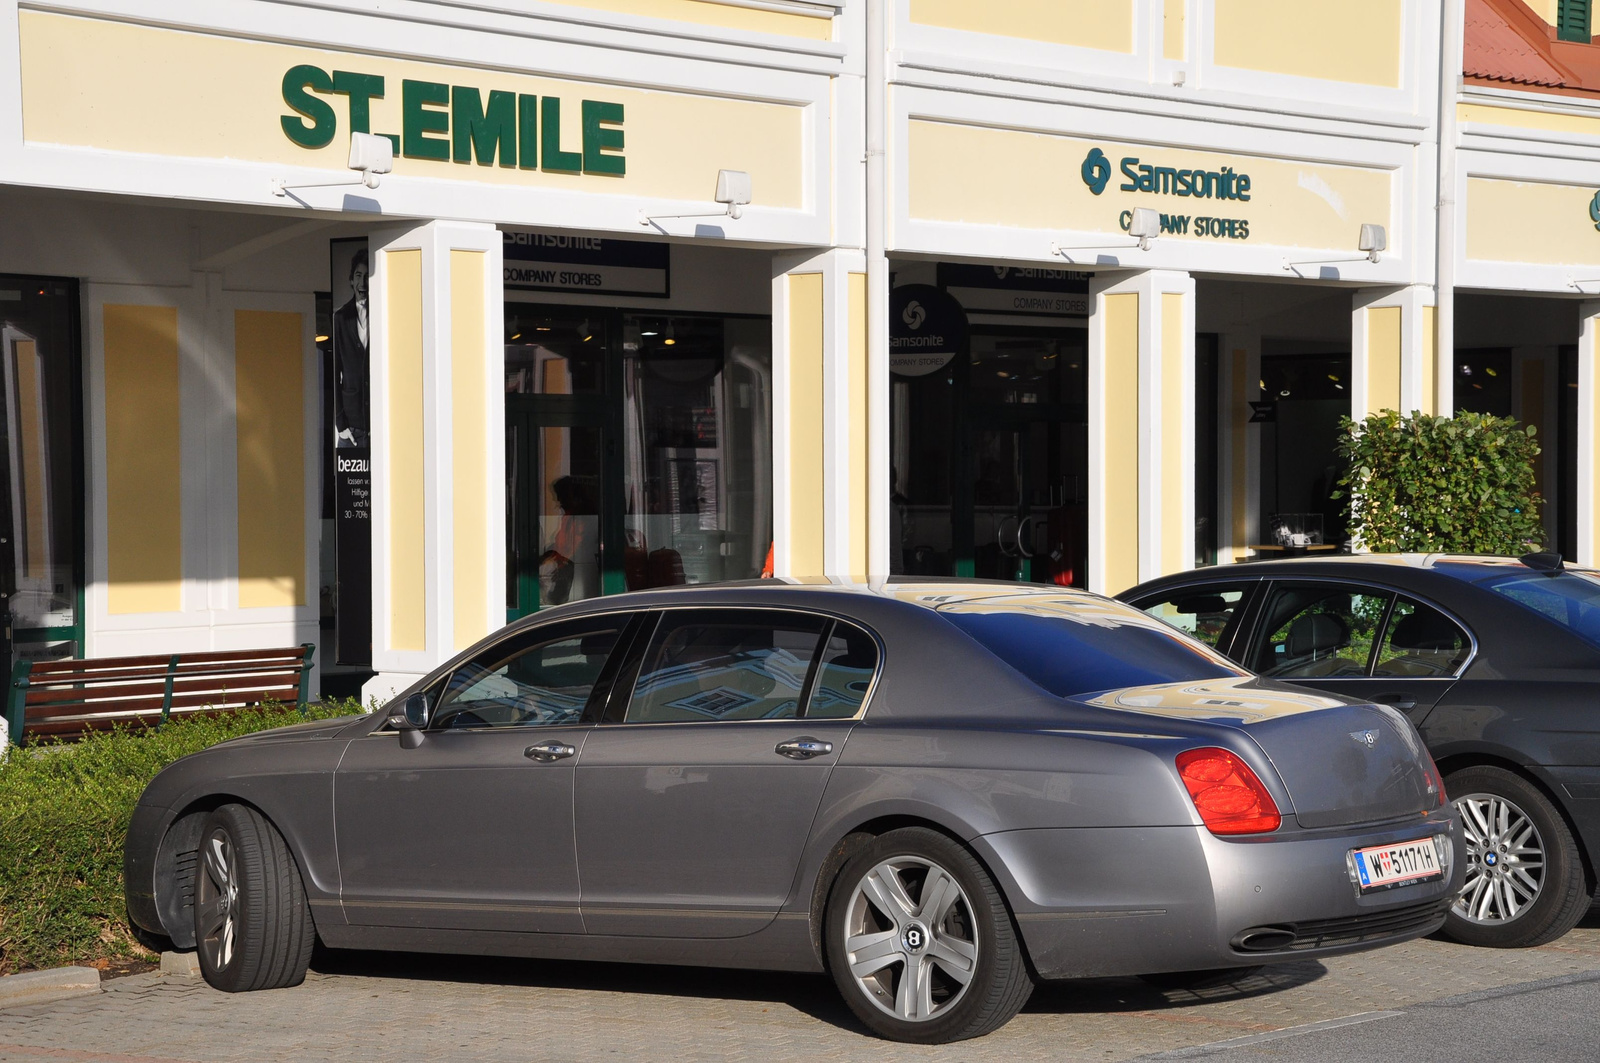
{"type": "Point", "coordinates": [910, 939]}
{"type": "Point", "coordinates": [216, 898]}
{"type": "Point", "coordinates": [1505, 859]}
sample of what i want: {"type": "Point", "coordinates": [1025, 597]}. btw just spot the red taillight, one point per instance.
{"type": "Point", "coordinates": [1227, 794]}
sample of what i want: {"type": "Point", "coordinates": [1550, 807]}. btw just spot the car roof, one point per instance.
{"type": "Point", "coordinates": [1468, 568]}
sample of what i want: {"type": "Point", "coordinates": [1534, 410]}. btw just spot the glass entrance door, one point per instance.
{"type": "Point", "coordinates": [991, 461]}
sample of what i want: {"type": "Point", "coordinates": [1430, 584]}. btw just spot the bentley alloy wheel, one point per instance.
{"type": "Point", "coordinates": [920, 943]}
{"type": "Point", "coordinates": [252, 924]}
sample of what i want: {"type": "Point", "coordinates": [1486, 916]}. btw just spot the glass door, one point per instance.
{"type": "Point", "coordinates": [991, 461]}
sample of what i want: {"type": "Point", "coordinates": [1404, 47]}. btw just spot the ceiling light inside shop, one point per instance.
{"type": "Point", "coordinates": [322, 339]}
{"type": "Point", "coordinates": [669, 341]}
{"type": "Point", "coordinates": [1490, 370]}
{"type": "Point", "coordinates": [1333, 378]}
{"type": "Point", "coordinates": [1466, 370]}
{"type": "Point", "coordinates": [1283, 394]}
{"type": "Point", "coordinates": [518, 336]}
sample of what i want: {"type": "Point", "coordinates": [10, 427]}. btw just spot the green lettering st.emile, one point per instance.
{"type": "Point", "coordinates": [444, 122]}
{"type": "Point", "coordinates": [417, 121]}
{"type": "Point", "coordinates": [362, 90]}
{"type": "Point", "coordinates": [598, 138]}
{"type": "Point", "coordinates": [314, 123]}
{"type": "Point", "coordinates": [550, 140]}
{"type": "Point", "coordinates": [484, 130]}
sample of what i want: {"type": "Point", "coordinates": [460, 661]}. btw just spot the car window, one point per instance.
{"type": "Point", "coordinates": [1571, 597]}
{"type": "Point", "coordinates": [844, 673]}
{"type": "Point", "coordinates": [1318, 631]}
{"type": "Point", "coordinates": [1420, 642]}
{"type": "Point", "coordinates": [1202, 612]}
{"type": "Point", "coordinates": [539, 678]}
{"type": "Point", "coordinates": [725, 664]}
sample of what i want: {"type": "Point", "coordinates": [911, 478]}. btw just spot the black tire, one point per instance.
{"type": "Point", "coordinates": [252, 925]}
{"type": "Point", "coordinates": [998, 982]}
{"type": "Point", "coordinates": [1479, 917]}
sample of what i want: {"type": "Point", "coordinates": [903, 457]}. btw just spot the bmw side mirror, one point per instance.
{"type": "Point", "coordinates": [412, 720]}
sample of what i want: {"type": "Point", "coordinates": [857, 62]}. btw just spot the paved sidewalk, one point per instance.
{"type": "Point", "coordinates": [387, 1009]}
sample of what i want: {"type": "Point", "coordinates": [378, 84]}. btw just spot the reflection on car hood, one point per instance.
{"type": "Point", "coordinates": [299, 731]}
{"type": "Point", "coordinates": [1227, 701]}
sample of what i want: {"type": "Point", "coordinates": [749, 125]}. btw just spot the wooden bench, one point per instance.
{"type": "Point", "coordinates": [67, 699]}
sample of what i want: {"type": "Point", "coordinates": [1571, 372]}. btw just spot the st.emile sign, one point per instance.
{"type": "Point", "coordinates": [458, 123]}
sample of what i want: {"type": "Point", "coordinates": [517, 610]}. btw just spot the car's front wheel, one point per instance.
{"type": "Point", "coordinates": [1524, 881]}
{"type": "Point", "coordinates": [251, 920]}
{"type": "Point", "coordinates": [920, 942]}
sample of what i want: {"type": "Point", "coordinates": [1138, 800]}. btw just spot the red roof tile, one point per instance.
{"type": "Point", "coordinates": [1500, 46]}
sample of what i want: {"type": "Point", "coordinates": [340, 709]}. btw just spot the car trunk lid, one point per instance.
{"type": "Point", "coordinates": [1340, 763]}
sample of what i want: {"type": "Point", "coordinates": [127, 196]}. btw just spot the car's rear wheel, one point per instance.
{"type": "Point", "coordinates": [251, 920]}
{"type": "Point", "coordinates": [920, 942]}
{"type": "Point", "coordinates": [1524, 882]}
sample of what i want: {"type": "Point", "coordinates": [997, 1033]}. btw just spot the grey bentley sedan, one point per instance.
{"type": "Point", "coordinates": [938, 793]}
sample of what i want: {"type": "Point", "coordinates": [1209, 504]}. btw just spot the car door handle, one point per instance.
{"type": "Point", "coordinates": [804, 748]}
{"type": "Point", "coordinates": [545, 752]}
{"type": "Point", "coordinates": [1403, 702]}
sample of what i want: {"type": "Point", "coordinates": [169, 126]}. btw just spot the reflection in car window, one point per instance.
{"type": "Point", "coordinates": [1068, 654]}
{"type": "Point", "coordinates": [1420, 642]}
{"type": "Point", "coordinates": [536, 679]}
{"type": "Point", "coordinates": [705, 664]}
{"type": "Point", "coordinates": [1203, 613]}
{"type": "Point", "coordinates": [845, 674]}
{"type": "Point", "coordinates": [1570, 598]}
{"type": "Point", "coordinates": [1316, 631]}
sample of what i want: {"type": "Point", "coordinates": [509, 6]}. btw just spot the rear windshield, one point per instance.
{"type": "Point", "coordinates": [1069, 655]}
{"type": "Point", "coordinates": [1570, 598]}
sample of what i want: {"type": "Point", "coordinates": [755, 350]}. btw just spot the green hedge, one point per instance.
{"type": "Point", "coordinates": [64, 810]}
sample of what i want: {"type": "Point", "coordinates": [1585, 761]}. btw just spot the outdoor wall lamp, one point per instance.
{"type": "Point", "coordinates": [1144, 225]}
{"type": "Point", "coordinates": [733, 190]}
{"type": "Point", "coordinates": [1374, 240]}
{"type": "Point", "coordinates": [370, 154]}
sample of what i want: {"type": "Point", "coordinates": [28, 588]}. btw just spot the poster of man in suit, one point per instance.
{"type": "Point", "coordinates": [349, 267]}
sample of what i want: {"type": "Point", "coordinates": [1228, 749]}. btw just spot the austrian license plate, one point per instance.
{"type": "Point", "coordinates": [1401, 864]}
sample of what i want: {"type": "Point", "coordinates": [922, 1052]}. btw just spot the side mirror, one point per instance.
{"type": "Point", "coordinates": [412, 719]}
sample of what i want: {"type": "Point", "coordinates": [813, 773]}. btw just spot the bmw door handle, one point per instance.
{"type": "Point", "coordinates": [545, 752]}
{"type": "Point", "coordinates": [1403, 702]}
{"type": "Point", "coordinates": [804, 748]}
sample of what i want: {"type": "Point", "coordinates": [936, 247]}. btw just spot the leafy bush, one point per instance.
{"type": "Point", "coordinates": [64, 811]}
{"type": "Point", "coordinates": [1462, 484]}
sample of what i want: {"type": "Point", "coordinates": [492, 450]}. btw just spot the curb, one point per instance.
{"type": "Point", "coordinates": [180, 965]}
{"type": "Point", "coordinates": [39, 987]}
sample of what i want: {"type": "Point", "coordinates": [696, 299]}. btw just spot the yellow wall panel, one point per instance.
{"type": "Point", "coordinates": [1357, 41]}
{"type": "Point", "coordinates": [1121, 472]}
{"type": "Point", "coordinates": [75, 91]}
{"type": "Point", "coordinates": [984, 176]}
{"type": "Point", "coordinates": [269, 392]}
{"type": "Point", "coordinates": [469, 387]}
{"type": "Point", "coordinates": [725, 16]}
{"type": "Point", "coordinates": [1383, 359]}
{"type": "Point", "coordinates": [1106, 25]}
{"type": "Point", "coordinates": [806, 469]}
{"type": "Point", "coordinates": [858, 424]}
{"type": "Point", "coordinates": [408, 546]}
{"type": "Point", "coordinates": [1175, 449]}
{"type": "Point", "coordinates": [1521, 118]}
{"type": "Point", "coordinates": [1173, 30]}
{"type": "Point", "coordinates": [143, 462]}
{"type": "Point", "coordinates": [1521, 221]}
{"type": "Point", "coordinates": [1430, 359]}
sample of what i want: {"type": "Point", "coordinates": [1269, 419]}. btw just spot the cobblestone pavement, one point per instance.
{"type": "Point", "coordinates": [368, 1006]}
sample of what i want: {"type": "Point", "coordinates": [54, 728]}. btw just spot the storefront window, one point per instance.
{"type": "Point", "coordinates": [40, 551]}
{"type": "Point", "coordinates": [697, 459]}
{"type": "Point", "coordinates": [638, 452]}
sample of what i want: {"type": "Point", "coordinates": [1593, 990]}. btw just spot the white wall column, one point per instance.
{"type": "Point", "coordinates": [1141, 427]}
{"type": "Point", "coordinates": [1588, 497]}
{"type": "Point", "coordinates": [820, 415]}
{"type": "Point", "coordinates": [438, 447]}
